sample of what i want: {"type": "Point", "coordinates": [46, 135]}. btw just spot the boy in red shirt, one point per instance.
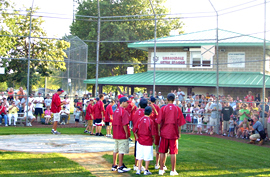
{"type": "Point", "coordinates": [131, 109]}
{"type": "Point", "coordinates": [145, 134]}
{"type": "Point", "coordinates": [170, 120]}
{"type": "Point", "coordinates": [89, 117]}
{"type": "Point", "coordinates": [55, 109]}
{"type": "Point", "coordinates": [138, 114]}
{"type": "Point", "coordinates": [79, 104]}
{"type": "Point", "coordinates": [109, 118]}
{"type": "Point", "coordinates": [99, 115]}
{"type": "Point", "coordinates": [121, 135]}
{"type": "Point", "coordinates": [154, 116]}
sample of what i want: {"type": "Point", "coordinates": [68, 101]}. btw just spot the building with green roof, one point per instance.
{"type": "Point", "coordinates": [180, 64]}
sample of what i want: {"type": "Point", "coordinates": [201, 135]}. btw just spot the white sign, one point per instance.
{"type": "Point", "coordinates": [170, 59]}
{"type": "Point", "coordinates": [130, 70]}
{"type": "Point", "coordinates": [236, 60]}
{"type": "Point", "coordinates": [207, 52]}
{"type": "Point", "coordinates": [2, 70]}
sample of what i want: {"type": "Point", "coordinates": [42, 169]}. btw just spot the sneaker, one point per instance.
{"type": "Point", "coordinates": [123, 169]}
{"type": "Point", "coordinates": [100, 134]}
{"type": "Point", "coordinates": [147, 172]}
{"type": "Point", "coordinates": [156, 167]}
{"type": "Point", "coordinates": [138, 172]}
{"type": "Point", "coordinates": [135, 168]}
{"type": "Point", "coordinates": [173, 173]}
{"type": "Point", "coordinates": [96, 134]}
{"type": "Point", "coordinates": [30, 124]}
{"type": "Point", "coordinates": [114, 168]}
{"type": "Point", "coordinates": [89, 132]}
{"type": "Point", "coordinates": [64, 123]}
{"type": "Point", "coordinates": [165, 168]}
{"type": "Point", "coordinates": [85, 131]}
{"type": "Point", "coordinates": [56, 133]}
{"type": "Point", "coordinates": [161, 172]}
{"type": "Point", "coordinates": [52, 131]}
{"type": "Point", "coordinates": [224, 134]}
{"type": "Point", "coordinates": [6, 125]}
{"type": "Point", "coordinates": [142, 169]}
{"type": "Point", "coordinates": [261, 143]}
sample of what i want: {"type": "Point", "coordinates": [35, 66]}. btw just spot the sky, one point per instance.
{"type": "Point", "coordinates": [249, 20]}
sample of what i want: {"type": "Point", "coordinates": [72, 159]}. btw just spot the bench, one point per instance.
{"type": "Point", "coordinates": [20, 120]}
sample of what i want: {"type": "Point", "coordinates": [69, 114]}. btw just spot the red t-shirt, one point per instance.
{"type": "Point", "coordinates": [56, 103]}
{"type": "Point", "coordinates": [154, 117]}
{"type": "Point", "coordinates": [169, 118]}
{"type": "Point", "coordinates": [89, 112]}
{"type": "Point", "coordinates": [138, 114]}
{"type": "Point", "coordinates": [80, 105]}
{"type": "Point", "coordinates": [108, 113]}
{"type": "Point", "coordinates": [120, 119]}
{"type": "Point", "coordinates": [2, 110]}
{"type": "Point", "coordinates": [130, 110]}
{"type": "Point", "coordinates": [145, 130]}
{"type": "Point", "coordinates": [99, 107]}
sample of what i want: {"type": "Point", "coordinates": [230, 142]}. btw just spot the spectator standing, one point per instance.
{"type": "Point", "coordinates": [266, 110]}
{"type": "Point", "coordinates": [30, 113]}
{"type": "Point", "coordinates": [31, 98]}
{"type": "Point", "coordinates": [77, 114]}
{"type": "Point", "coordinates": [170, 120]}
{"type": "Point", "coordinates": [180, 94]}
{"type": "Point", "coordinates": [66, 102]}
{"type": "Point", "coordinates": [189, 116]}
{"type": "Point", "coordinates": [144, 132]}
{"type": "Point", "coordinates": [99, 115]}
{"type": "Point", "coordinates": [3, 114]}
{"type": "Point", "coordinates": [48, 101]}
{"type": "Point", "coordinates": [21, 93]}
{"type": "Point", "coordinates": [79, 104]}
{"type": "Point", "coordinates": [226, 113]}
{"type": "Point", "coordinates": [232, 124]}
{"type": "Point", "coordinates": [244, 113]}
{"type": "Point", "coordinates": [12, 112]}
{"type": "Point", "coordinates": [64, 113]}
{"type": "Point", "coordinates": [268, 126]}
{"type": "Point", "coordinates": [214, 119]}
{"type": "Point", "coordinates": [121, 135]}
{"type": "Point", "coordinates": [39, 105]}
{"type": "Point", "coordinates": [56, 108]}
{"type": "Point", "coordinates": [75, 101]}
{"type": "Point", "coordinates": [109, 119]}
{"type": "Point", "coordinates": [10, 97]}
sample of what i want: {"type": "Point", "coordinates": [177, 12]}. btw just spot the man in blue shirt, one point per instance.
{"type": "Point", "coordinates": [257, 127]}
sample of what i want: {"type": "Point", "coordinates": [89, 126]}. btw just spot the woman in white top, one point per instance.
{"type": "Point", "coordinates": [66, 102]}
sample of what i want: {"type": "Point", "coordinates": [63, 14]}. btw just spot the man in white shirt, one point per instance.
{"type": "Point", "coordinates": [180, 94]}
{"type": "Point", "coordinates": [31, 98]}
{"type": "Point", "coordinates": [64, 115]}
{"type": "Point", "coordinates": [39, 105]}
{"type": "Point", "coordinates": [30, 113]}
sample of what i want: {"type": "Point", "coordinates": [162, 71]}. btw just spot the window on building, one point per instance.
{"type": "Point", "coordinates": [197, 61]}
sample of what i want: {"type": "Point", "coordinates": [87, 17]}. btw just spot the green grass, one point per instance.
{"type": "Point", "coordinates": [209, 156]}
{"type": "Point", "coordinates": [26, 164]}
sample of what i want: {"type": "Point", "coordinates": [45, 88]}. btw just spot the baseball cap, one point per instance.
{"type": "Point", "coordinates": [130, 96]}
{"type": "Point", "coordinates": [170, 96]}
{"type": "Point", "coordinates": [123, 99]}
{"type": "Point", "coordinates": [60, 90]}
{"type": "Point", "coordinates": [78, 107]}
{"type": "Point", "coordinates": [152, 99]}
{"type": "Point", "coordinates": [91, 100]}
{"type": "Point", "coordinates": [147, 110]}
{"type": "Point", "coordinates": [120, 96]}
{"type": "Point", "coordinates": [143, 103]}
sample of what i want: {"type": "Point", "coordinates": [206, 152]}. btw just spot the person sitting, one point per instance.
{"type": "Point", "coordinates": [259, 130]}
{"type": "Point", "coordinates": [240, 126]}
{"type": "Point", "coordinates": [64, 115]}
{"type": "Point", "coordinates": [3, 114]}
{"type": "Point", "coordinates": [47, 115]}
{"type": "Point", "coordinates": [28, 113]}
{"type": "Point", "coordinates": [13, 112]}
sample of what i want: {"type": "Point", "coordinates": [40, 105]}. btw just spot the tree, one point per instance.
{"type": "Point", "coordinates": [86, 29]}
{"type": "Point", "coordinates": [46, 55]}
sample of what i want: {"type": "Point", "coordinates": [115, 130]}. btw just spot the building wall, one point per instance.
{"type": "Point", "coordinates": [251, 54]}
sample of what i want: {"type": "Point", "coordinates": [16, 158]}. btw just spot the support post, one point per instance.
{"type": "Point", "coordinates": [264, 48]}
{"type": "Point", "coordinates": [98, 43]}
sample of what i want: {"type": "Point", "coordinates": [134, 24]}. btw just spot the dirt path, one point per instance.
{"type": "Point", "coordinates": [94, 162]}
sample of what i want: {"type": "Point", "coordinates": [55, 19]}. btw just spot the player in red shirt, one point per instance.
{"type": "Point", "coordinates": [145, 134]}
{"type": "Point", "coordinates": [138, 114]}
{"type": "Point", "coordinates": [131, 109]}
{"type": "Point", "coordinates": [170, 120]}
{"type": "Point", "coordinates": [121, 135]}
{"type": "Point", "coordinates": [109, 118]}
{"type": "Point", "coordinates": [89, 117]}
{"type": "Point", "coordinates": [55, 109]}
{"type": "Point", "coordinates": [99, 115]}
{"type": "Point", "coordinates": [154, 116]}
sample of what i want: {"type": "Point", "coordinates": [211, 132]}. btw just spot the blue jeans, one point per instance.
{"type": "Point", "coordinates": [4, 117]}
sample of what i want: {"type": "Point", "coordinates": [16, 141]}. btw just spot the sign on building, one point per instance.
{"type": "Point", "coordinates": [170, 59]}
{"type": "Point", "coordinates": [236, 60]}
{"type": "Point", "coordinates": [130, 70]}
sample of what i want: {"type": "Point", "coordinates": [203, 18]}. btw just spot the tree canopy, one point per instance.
{"type": "Point", "coordinates": [126, 29]}
{"type": "Point", "coordinates": [44, 52]}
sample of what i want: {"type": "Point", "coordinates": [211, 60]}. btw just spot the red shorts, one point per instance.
{"type": "Point", "coordinates": [157, 139]}
{"type": "Point", "coordinates": [165, 144]}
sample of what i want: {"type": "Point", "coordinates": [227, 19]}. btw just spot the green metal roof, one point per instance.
{"type": "Point", "coordinates": [187, 78]}
{"type": "Point", "coordinates": [196, 39]}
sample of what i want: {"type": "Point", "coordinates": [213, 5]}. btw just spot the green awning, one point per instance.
{"type": "Point", "coordinates": [187, 78]}
{"type": "Point", "coordinates": [200, 38]}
